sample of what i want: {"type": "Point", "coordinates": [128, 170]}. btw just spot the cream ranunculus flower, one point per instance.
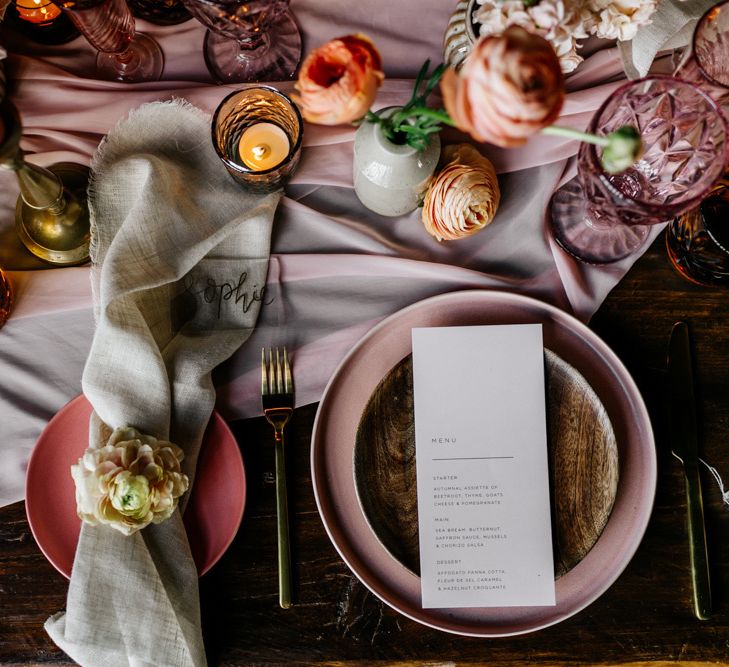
{"type": "Point", "coordinates": [130, 482]}
{"type": "Point", "coordinates": [619, 19]}
{"type": "Point", "coordinates": [560, 22]}
{"type": "Point", "coordinates": [464, 195]}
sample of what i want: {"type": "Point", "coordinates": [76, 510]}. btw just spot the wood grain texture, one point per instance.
{"type": "Point", "coordinates": [644, 618]}
{"type": "Point", "coordinates": [583, 463]}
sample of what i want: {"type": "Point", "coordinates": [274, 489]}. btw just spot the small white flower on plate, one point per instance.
{"type": "Point", "coordinates": [130, 482]}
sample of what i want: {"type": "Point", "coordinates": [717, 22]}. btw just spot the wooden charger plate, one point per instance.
{"type": "Point", "coordinates": [333, 452]}
{"type": "Point", "coordinates": [583, 464]}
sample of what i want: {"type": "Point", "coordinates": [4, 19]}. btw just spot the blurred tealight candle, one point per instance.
{"type": "Point", "coordinates": [37, 11]}
{"type": "Point", "coordinates": [263, 146]}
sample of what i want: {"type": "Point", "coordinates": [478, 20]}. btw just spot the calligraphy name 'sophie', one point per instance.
{"type": "Point", "coordinates": [233, 292]}
{"type": "Point", "coordinates": [220, 292]}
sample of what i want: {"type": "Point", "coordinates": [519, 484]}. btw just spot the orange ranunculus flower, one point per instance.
{"type": "Point", "coordinates": [338, 81]}
{"type": "Point", "coordinates": [510, 87]}
{"type": "Point", "coordinates": [463, 196]}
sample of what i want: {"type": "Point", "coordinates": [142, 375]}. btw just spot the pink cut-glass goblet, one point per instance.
{"type": "Point", "coordinates": [706, 62]}
{"type": "Point", "coordinates": [600, 217]}
{"type": "Point", "coordinates": [248, 40]}
{"type": "Point", "coordinates": [124, 55]}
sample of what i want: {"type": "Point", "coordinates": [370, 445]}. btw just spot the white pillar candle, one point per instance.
{"type": "Point", "coordinates": [263, 146]}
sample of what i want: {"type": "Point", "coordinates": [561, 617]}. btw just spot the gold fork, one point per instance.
{"type": "Point", "coordinates": [277, 396]}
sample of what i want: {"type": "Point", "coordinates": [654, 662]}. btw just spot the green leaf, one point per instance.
{"type": "Point", "coordinates": [434, 79]}
{"type": "Point", "coordinates": [418, 80]}
{"type": "Point", "coordinates": [415, 122]}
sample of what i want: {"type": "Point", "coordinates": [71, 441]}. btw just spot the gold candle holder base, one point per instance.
{"type": "Point", "coordinates": [61, 238]}
{"type": "Point", "coordinates": [51, 216]}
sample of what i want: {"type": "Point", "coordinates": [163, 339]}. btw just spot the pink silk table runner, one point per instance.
{"type": "Point", "coordinates": [336, 269]}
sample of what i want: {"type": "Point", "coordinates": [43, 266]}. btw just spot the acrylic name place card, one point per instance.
{"type": "Point", "coordinates": [482, 477]}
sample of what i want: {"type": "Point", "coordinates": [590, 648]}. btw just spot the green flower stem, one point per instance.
{"type": "Point", "coordinates": [569, 133]}
{"type": "Point", "coordinates": [415, 122]}
{"type": "Point", "coordinates": [436, 114]}
{"type": "Point", "coordinates": [621, 148]}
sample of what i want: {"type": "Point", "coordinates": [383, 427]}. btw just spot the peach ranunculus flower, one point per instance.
{"type": "Point", "coordinates": [463, 196]}
{"type": "Point", "coordinates": [509, 87]}
{"type": "Point", "coordinates": [130, 482]}
{"type": "Point", "coordinates": [338, 81]}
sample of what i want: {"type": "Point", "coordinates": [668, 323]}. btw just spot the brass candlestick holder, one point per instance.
{"type": "Point", "coordinates": [51, 216]}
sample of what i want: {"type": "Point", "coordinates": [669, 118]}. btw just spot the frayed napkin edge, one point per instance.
{"type": "Point", "coordinates": [100, 154]}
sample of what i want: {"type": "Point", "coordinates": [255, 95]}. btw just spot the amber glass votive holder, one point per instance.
{"type": "Point", "coordinates": [698, 241]}
{"type": "Point", "coordinates": [244, 109]}
{"type": "Point", "coordinates": [37, 11]}
{"type": "Point", "coordinates": [41, 21]}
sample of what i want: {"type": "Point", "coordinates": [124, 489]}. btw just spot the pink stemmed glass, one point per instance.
{"type": "Point", "coordinates": [248, 40]}
{"type": "Point", "coordinates": [124, 55]}
{"type": "Point", "coordinates": [599, 217]}
{"type": "Point", "coordinates": [706, 63]}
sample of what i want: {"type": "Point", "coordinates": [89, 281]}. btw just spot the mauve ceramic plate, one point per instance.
{"type": "Point", "coordinates": [333, 443]}
{"type": "Point", "coordinates": [212, 516]}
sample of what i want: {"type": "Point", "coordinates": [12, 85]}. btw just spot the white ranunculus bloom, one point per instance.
{"type": "Point", "coordinates": [619, 19]}
{"type": "Point", "coordinates": [564, 23]}
{"type": "Point", "coordinates": [130, 482]}
{"type": "Point", "coordinates": [560, 22]}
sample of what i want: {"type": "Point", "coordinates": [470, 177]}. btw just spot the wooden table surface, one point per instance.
{"type": "Point", "coordinates": [645, 617]}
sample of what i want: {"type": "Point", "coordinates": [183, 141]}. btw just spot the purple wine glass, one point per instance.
{"type": "Point", "coordinates": [124, 54]}
{"type": "Point", "coordinates": [601, 218]}
{"type": "Point", "coordinates": [706, 63]}
{"type": "Point", "coordinates": [248, 40]}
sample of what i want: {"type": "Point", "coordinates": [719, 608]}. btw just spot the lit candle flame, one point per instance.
{"type": "Point", "coordinates": [37, 11]}
{"type": "Point", "coordinates": [263, 146]}
{"type": "Point", "coordinates": [259, 152]}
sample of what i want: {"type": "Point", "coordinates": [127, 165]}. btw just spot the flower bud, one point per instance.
{"type": "Point", "coordinates": [623, 149]}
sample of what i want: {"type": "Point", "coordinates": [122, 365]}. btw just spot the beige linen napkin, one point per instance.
{"type": "Point", "coordinates": [170, 230]}
{"type": "Point", "coordinates": [671, 27]}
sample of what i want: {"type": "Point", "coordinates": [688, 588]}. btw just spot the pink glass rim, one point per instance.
{"type": "Point", "coordinates": [292, 151]}
{"type": "Point", "coordinates": [717, 7]}
{"type": "Point", "coordinates": [658, 209]}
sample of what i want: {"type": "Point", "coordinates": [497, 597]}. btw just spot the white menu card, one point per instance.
{"type": "Point", "coordinates": [482, 476]}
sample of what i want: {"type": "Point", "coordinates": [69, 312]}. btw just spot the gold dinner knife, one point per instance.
{"type": "Point", "coordinates": [684, 445]}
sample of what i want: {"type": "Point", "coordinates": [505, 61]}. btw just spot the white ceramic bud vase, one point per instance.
{"type": "Point", "coordinates": [391, 179]}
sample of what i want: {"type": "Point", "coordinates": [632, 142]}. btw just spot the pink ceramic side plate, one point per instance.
{"type": "Point", "coordinates": [213, 513]}
{"type": "Point", "coordinates": [333, 442]}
